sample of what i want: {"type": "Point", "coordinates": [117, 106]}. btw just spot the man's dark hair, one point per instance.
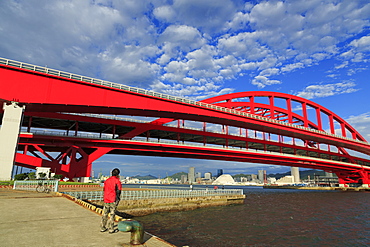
{"type": "Point", "coordinates": [115, 172]}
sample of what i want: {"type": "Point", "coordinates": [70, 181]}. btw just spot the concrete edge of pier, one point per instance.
{"type": "Point", "coordinates": [39, 219]}
{"type": "Point", "coordinates": [99, 211]}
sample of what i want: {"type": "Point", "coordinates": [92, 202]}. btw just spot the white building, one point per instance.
{"type": "Point", "coordinates": [225, 179]}
{"type": "Point", "coordinates": [208, 175]}
{"type": "Point", "coordinates": [40, 170]}
{"type": "Point", "coordinates": [285, 180]}
{"type": "Point", "coordinates": [153, 181]}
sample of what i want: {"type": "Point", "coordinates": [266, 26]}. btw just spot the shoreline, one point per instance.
{"type": "Point", "coordinates": [150, 206]}
{"type": "Point", "coordinates": [141, 207]}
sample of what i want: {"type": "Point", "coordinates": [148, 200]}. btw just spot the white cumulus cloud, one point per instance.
{"type": "Point", "coordinates": [326, 90]}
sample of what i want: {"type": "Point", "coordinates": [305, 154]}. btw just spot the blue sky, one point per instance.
{"type": "Point", "coordinates": [318, 50]}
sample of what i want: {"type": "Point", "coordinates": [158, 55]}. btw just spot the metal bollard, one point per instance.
{"type": "Point", "coordinates": [136, 229]}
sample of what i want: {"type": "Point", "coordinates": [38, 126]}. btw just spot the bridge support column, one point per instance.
{"type": "Point", "coordinates": [84, 179]}
{"type": "Point", "coordinates": [342, 181]}
{"type": "Point", "coordinates": [295, 173]}
{"type": "Point", "coordinates": [9, 134]}
{"type": "Point", "coordinates": [74, 162]}
{"type": "Point", "coordinates": [358, 177]}
{"type": "Point", "coordinates": [365, 177]}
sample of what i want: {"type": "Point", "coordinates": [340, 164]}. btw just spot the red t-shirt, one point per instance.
{"type": "Point", "coordinates": [110, 186]}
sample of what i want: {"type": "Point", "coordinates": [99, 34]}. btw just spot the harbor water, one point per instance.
{"type": "Point", "coordinates": [270, 217]}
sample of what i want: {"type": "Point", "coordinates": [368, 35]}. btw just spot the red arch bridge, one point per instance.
{"type": "Point", "coordinates": [66, 121]}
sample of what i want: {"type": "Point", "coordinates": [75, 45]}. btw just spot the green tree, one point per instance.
{"type": "Point", "coordinates": [21, 176]}
{"type": "Point", "coordinates": [31, 175]}
{"type": "Point", "coordinates": [58, 176]}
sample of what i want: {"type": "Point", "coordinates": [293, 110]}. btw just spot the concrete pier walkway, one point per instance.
{"type": "Point", "coordinates": [39, 219]}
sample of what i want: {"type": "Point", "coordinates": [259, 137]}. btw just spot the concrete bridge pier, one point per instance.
{"type": "Point", "coordinates": [363, 179]}
{"type": "Point", "coordinates": [9, 135]}
{"type": "Point", "coordinates": [295, 173]}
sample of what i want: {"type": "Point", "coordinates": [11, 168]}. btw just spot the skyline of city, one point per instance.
{"type": "Point", "coordinates": [197, 174]}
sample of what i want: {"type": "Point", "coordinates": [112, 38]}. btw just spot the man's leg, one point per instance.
{"type": "Point", "coordinates": [112, 213]}
{"type": "Point", "coordinates": [104, 219]}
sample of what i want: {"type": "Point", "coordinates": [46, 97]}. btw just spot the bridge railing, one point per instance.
{"type": "Point", "coordinates": [156, 194]}
{"type": "Point", "coordinates": [72, 134]}
{"type": "Point", "coordinates": [105, 117]}
{"type": "Point", "coordinates": [31, 185]}
{"type": "Point", "coordinates": [46, 70]}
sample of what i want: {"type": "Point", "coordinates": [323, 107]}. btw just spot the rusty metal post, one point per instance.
{"type": "Point", "coordinates": [136, 229]}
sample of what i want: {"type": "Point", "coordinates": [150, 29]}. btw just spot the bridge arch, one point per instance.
{"type": "Point", "coordinates": [246, 102]}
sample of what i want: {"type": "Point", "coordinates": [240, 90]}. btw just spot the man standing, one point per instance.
{"type": "Point", "coordinates": [112, 194]}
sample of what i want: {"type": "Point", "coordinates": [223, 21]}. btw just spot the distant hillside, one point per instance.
{"type": "Point", "coordinates": [240, 175]}
{"type": "Point", "coordinates": [178, 175]}
{"type": "Point", "coordinates": [174, 176]}
{"type": "Point", "coordinates": [147, 177]}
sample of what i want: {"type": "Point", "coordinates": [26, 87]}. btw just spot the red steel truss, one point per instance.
{"type": "Point", "coordinates": [71, 120]}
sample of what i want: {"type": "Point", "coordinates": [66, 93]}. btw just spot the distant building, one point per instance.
{"type": "Point", "coordinates": [220, 172]}
{"type": "Point", "coordinates": [287, 180]}
{"type": "Point", "coordinates": [152, 181]}
{"type": "Point", "coordinates": [198, 175]}
{"type": "Point", "coordinates": [42, 172]}
{"type": "Point", "coordinates": [191, 175]}
{"type": "Point", "coordinates": [253, 178]}
{"type": "Point", "coordinates": [208, 175]}
{"type": "Point", "coordinates": [262, 176]}
{"type": "Point", "coordinates": [129, 180]}
{"type": "Point", "coordinates": [184, 179]}
{"type": "Point", "coordinates": [271, 180]}
{"type": "Point", "coordinates": [328, 174]}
